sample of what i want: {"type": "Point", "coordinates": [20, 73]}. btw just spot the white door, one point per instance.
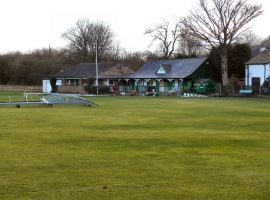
{"type": "Point", "coordinates": [46, 86]}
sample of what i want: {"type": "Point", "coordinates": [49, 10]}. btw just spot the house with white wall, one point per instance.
{"type": "Point", "coordinates": [257, 70]}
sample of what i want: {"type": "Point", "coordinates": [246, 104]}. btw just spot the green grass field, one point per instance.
{"type": "Point", "coordinates": [137, 148]}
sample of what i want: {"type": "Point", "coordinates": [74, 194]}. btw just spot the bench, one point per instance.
{"type": "Point", "coordinates": [243, 92]}
{"type": "Point", "coordinates": [150, 94]}
{"type": "Point", "coordinates": [133, 92]}
{"type": "Point", "coordinates": [130, 93]}
{"type": "Point", "coordinates": [170, 93]}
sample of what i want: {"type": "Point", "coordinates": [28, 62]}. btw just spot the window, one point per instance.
{"type": "Point", "coordinates": [161, 70]}
{"type": "Point", "coordinates": [67, 82]}
{"type": "Point", "coordinates": [150, 82]}
{"type": "Point", "coordinates": [59, 82]}
{"type": "Point", "coordinates": [74, 82]}
{"type": "Point", "coordinates": [84, 81]}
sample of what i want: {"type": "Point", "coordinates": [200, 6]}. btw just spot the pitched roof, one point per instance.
{"type": "Point", "coordinates": [88, 70]}
{"type": "Point", "coordinates": [117, 71]}
{"type": "Point", "coordinates": [176, 68]}
{"type": "Point", "coordinates": [262, 58]}
{"type": "Point", "coordinates": [256, 50]}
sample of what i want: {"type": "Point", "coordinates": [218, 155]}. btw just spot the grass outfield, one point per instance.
{"type": "Point", "coordinates": [137, 148]}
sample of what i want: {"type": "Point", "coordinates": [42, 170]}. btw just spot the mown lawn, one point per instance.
{"type": "Point", "coordinates": [137, 148]}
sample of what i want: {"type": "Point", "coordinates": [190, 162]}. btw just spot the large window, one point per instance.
{"type": "Point", "coordinates": [72, 82]}
{"type": "Point", "coordinates": [59, 82]}
{"type": "Point", "coordinates": [67, 82]}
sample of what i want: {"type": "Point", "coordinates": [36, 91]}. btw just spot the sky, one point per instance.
{"type": "Point", "coordinates": [34, 24]}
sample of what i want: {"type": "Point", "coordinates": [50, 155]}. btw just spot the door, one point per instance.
{"type": "Point", "coordinates": [161, 86]}
{"type": "Point", "coordinates": [255, 83]}
{"type": "Point", "coordinates": [46, 86]}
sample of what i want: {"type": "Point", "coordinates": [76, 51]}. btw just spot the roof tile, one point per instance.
{"type": "Point", "coordinates": [262, 58]}
{"type": "Point", "coordinates": [176, 68]}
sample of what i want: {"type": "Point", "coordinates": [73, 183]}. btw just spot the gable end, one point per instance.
{"type": "Point", "coordinates": [161, 70]}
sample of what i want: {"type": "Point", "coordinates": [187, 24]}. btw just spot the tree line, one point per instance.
{"type": "Point", "coordinates": [215, 28]}
{"type": "Point", "coordinates": [31, 68]}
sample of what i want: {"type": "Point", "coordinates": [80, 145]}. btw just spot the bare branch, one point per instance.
{"type": "Point", "coordinates": [219, 23]}
{"type": "Point", "coordinates": [165, 36]}
{"type": "Point", "coordinates": [86, 36]}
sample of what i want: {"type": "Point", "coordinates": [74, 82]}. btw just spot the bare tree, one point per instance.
{"type": "Point", "coordinates": [166, 37]}
{"type": "Point", "coordinates": [78, 37]}
{"type": "Point", "coordinates": [266, 42]}
{"type": "Point", "coordinates": [189, 47]}
{"type": "Point", "coordinates": [113, 54]}
{"type": "Point", "coordinates": [133, 59]}
{"type": "Point", "coordinates": [86, 38]}
{"type": "Point", "coordinates": [219, 23]}
{"type": "Point", "coordinates": [100, 37]}
{"type": "Point", "coordinates": [249, 37]}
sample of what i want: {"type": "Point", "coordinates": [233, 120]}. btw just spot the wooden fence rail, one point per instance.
{"type": "Point", "coordinates": [25, 88]}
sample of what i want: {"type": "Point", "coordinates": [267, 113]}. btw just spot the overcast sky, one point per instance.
{"type": "Point", "coordinates": [32, 24]}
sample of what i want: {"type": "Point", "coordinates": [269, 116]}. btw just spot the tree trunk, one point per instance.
{"type": "Point", "coordinates": [224, 66]}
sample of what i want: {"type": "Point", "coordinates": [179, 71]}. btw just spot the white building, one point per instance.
{"type": "Point", "coordinates": [257, 71]}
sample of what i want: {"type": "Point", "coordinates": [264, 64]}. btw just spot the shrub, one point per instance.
{"type": "Point", "coordinates": [93, 89]}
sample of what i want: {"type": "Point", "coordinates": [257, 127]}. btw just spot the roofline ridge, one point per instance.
{"type": "Point", "coordinates": [87, 63]}
{"type": "Point", "coordinates": [177, 59]}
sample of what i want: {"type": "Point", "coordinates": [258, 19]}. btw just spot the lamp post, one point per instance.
{"type": "Point", "coordinates": [96, 68]}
